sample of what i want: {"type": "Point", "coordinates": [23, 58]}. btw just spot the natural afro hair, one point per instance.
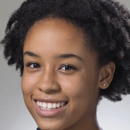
{"type": "Point", "coordinates": [106, 22]}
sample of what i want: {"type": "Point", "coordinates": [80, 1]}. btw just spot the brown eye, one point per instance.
{"type": "Point", "coordinates": [68, 67]}
{"type": "Point", "coordinates": [33, 65]}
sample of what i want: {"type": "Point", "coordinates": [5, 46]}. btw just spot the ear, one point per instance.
{"type": "Point", "coordinates": [106, 75]}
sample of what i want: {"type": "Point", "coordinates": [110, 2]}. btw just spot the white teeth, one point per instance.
{"type": "Point", "coordinates": [45, 105]}
{"type": "Point", "coordinates": [58, 105]}
{"type": "Point", "coordinates": [54, 105]}
{"type": "Point", "coordinates": [62, 104]}
{"type": "Point", "coordinates": [49, 105]}
{"type": "Point", "coordinates": [40, 104]}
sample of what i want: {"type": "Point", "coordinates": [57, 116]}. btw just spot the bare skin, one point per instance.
{"type": "Point", "coordinates": [59, 66]}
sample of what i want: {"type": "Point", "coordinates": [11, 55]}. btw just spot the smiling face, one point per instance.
{"type": "Point", "coordinates": [60, 82]}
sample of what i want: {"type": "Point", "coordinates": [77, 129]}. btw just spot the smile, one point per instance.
{"type": "Point", "coordinates": [52, 105]}
{"type": "Point", "coordinates": [50, 108]}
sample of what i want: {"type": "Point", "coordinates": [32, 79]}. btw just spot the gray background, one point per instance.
{"type": "Point", "coordinates": [13, 113]}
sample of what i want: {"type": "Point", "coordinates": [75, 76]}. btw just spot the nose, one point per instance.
{"type": "Point", "coordinates": [47, 83]}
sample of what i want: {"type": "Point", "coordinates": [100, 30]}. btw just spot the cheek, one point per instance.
{"type": "Point", "coordinates": [74, 86]}
{"type": "Point", "coordinates": [28, 84]}
{"type": "Point", "coordinates": [82, 93]}
{"type": "Point", "coordinates": [80, 87]}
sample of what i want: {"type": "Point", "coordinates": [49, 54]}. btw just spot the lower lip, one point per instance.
{"type": "Point", "coordinates": [49, 113]}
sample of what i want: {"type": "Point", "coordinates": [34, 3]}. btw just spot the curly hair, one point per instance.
{"type": "Point", "coordinates": [106, 22]}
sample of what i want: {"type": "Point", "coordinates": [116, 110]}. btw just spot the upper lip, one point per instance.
{"type": "Point", "coordinates": [49, 100]}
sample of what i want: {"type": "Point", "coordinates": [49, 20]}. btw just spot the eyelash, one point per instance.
{"type": "Point", "coordinates": [67, 67]}
{"type": "Point", "coordinates": [70, 67]}
{"type": "Point", "coordinates": [36, 65]}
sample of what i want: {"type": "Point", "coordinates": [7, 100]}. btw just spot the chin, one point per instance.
{"type": "Point", "coordinates": [51, 125]}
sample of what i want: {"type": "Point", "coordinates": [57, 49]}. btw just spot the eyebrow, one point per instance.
{"type": "Point", "coordinates": [70, 56]}
{"type": "Point", "coordinates": [31, 54]}
{"type": "Point", "coordinates": [60, 56]}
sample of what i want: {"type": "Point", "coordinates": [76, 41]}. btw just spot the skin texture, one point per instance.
{"type": "Point", "coordinates": [49, 40]}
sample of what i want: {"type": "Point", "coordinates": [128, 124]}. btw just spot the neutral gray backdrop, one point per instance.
{"type": "Point", "coordinates": [13, 113]}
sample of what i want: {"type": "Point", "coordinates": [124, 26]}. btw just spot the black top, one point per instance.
{"type": "Point", "coordinates": [39, 129]}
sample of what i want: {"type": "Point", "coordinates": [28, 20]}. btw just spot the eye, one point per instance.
{"type": "Point", "coordinates": [68, 67]}
{"type": "Point", "coordinates": [33, 65]}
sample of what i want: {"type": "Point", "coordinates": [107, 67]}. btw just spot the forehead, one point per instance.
{"type": "Point", "coordinates": [52, 25]}
{"type": "Point", "coordinates": [56, 35]}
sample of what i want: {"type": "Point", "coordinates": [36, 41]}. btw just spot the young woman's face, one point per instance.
{"type": "Point", "coordinates": [60, 78]}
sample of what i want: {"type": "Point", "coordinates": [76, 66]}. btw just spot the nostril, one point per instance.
{"type": "Point", "coordinates": [52, 88]}
{"type": "Point", "coordinates": [40, 89]}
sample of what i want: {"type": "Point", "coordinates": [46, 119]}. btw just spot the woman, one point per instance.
{"type": "Point", "coordinates": [71, 54]}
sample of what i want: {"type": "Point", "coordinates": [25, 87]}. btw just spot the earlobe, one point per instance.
{"type": "Point", "coordinates": [106, 75]}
